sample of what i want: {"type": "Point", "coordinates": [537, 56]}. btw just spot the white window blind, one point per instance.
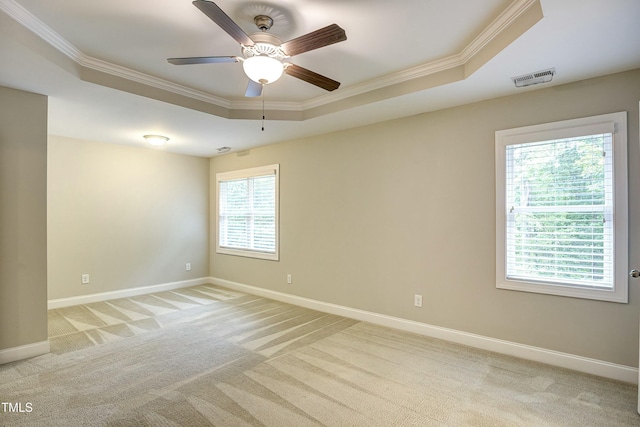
{"type": "Point", "coordinates": [561, 208]}
{"type": "Point", "coordinates": [247, 212]}
{"type": "Point", "coordinates": [560, 222]}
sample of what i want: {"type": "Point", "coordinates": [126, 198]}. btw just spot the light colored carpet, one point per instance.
{"type": "Point", "coordinates": [210, 356]}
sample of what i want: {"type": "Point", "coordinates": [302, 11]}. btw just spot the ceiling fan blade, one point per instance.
{"type": "Point", "coordinates": [218, 16]}
{"type": "Point", "coordinates": [203, 60]}
{"type": "Point", "coordinates": [314, 40]}
{"type": "Point", "coordinates": [311, 77]}
{"type": "Point", "coordinates": [253, 89]}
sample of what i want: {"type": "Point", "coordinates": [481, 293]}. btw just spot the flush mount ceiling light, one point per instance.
{"type": "Point", "coordinates": [156, 140]}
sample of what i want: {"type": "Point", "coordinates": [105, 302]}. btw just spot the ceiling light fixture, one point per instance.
{"type": "Point", "coordinates": [156, 140]}
{"type": "Point", "coordinates": [263, 69]}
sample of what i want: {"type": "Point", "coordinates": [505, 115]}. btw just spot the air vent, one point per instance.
{"type": "Point", "coordinates": [543, 76]}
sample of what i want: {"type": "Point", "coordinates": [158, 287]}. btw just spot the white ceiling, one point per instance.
{"type": "Point", "coordinates": [103, 64]}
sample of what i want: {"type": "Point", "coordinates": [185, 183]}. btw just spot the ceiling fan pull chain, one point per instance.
{"type": "Point", "coordinates": [263, 85]}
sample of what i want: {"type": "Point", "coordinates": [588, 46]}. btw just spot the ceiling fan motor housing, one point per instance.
{"type": "Point", "coordinates": [265, 45]}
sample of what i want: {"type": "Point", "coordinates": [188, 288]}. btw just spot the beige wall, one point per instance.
{"type": "Point", "coordinates": [127, 216]}
{"type": "Point", "coordinates": [371, 216]}
{"type": "Point", "coordinates": [23, 232]}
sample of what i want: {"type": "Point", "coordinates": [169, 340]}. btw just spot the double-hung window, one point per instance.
{"type": "Point", "coordinates": [561, 208]}
{"type": "Point", "coordinates": [247, 212]}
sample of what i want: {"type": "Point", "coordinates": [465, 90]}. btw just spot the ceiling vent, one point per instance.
{"type": "Point", "coordinates": [543, 76]}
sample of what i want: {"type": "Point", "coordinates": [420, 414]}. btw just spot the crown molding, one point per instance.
{"type": "Point", "coordinates": [385, 81]}
{"type": "Point", "coordinates": [148, 80]}
{"type": "Point", "coordinates": [42, 30]}
{"type": "Point", "coordinates": [509, 16]}
{"type": "Point", "coordinates": [256, 105]}
{"type": "Point", "coordinates": [29, 21]}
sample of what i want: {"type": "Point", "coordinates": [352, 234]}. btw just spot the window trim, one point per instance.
{"type": "Point", "coordinates": [248, 173]}
{"type": "Point", "coordinates": [616, 123]}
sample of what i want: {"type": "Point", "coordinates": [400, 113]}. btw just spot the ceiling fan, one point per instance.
{"type": "Point", "coordinates": [263, 54]}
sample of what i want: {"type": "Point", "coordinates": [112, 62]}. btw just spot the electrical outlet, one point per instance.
{"type": "Point", "coordinates": [187, 266]}
{"type": "Point", "coordinates": [289, 280]}
{"type": "Point", "coordinates": [85, 279]}
{"type": "Point", "coordinates": [417, 300]}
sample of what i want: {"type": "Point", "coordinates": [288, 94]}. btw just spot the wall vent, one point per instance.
{"type": "Point", "coordinates": [543, 76]}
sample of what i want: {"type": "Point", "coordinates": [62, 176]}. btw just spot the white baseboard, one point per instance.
{"type": "Point", "coordinates": [24, 352]}
{"type": "Point", "coordinates": [125, 293]}
{"type": "Point", "coordinates": [564, 360]}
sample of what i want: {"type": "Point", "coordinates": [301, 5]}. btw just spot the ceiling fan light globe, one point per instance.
{"type": "Point", "coordinates": [263, 69]}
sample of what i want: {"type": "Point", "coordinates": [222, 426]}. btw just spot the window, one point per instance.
{"type": "Point", "coordinates": [247, 212]}
{"type": "Point", "coordinates": [561, 208]}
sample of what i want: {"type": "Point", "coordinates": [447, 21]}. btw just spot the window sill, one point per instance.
{"type": "Point", "coordinates": [564, 290]}
{"type": "Point", "coordinates": [249, 254]}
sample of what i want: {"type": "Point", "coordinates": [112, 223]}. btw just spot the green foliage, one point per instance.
{"type": "Point", "coordinates": [558, 194]}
